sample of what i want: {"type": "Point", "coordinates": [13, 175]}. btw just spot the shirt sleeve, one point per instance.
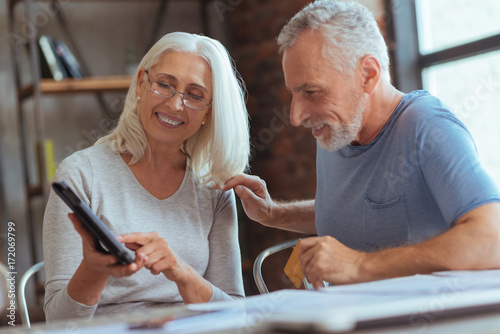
{"type": "Point", "coordinates": [224, 265]}
{"type": "Point", "coordinates": [451, 168]}
{"type": "Point", "coordinates": [62, 245]}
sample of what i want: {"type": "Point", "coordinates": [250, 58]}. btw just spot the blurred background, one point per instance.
{"type": "Point", "coordinates": [449, 47]}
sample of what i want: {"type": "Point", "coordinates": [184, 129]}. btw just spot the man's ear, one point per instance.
{"type": "Point", "coordinates": [141, 74]}
{"type": "Point", "coordinates": [370, 71]}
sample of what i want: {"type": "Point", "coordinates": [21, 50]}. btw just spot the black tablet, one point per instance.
{"type": "Point", "coordinates": [106, 241]}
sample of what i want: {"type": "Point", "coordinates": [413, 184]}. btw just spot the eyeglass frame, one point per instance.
{"type": "Point", "coordinates": [207, 104]}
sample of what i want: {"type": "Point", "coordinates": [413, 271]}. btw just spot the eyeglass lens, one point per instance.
{"type": "Point", "coordinates": [189, 100]}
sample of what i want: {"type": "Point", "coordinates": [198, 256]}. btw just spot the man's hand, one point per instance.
{"type": "Point", "coordinates": [297, 216]}
{"type": "Point", "coordinates": [254, 196]}
{"type": "Point", "coordinates": [472, 244]}
{"type": "Point", "coordinates": [326, 259]}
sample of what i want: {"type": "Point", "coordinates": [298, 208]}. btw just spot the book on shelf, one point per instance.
{"type": "Point", "coordinates": [51, 64]}
{"type": "Point", "coordinates": [68, 59]}
{"type": "Point", "coordinates": [56, 60]}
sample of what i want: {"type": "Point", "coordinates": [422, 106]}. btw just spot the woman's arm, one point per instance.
{"type": "Point", "coordinates": [224, 265]}
{"type": "Point", "coordinates": [73, 286]}
{"type": "Point", "coordinates": [62, 248]}
{"type": "Point", "coordinates": [92, 275]}
{"type": "Point", "coordinates": [222, 279]}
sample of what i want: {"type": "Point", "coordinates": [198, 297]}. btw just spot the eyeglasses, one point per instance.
{"type": "Point", "coordinates": [166, 91]}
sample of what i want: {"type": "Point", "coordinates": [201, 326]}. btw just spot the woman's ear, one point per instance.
{"type": "Point", "coordinates": [207, 114]}
{"type": "Point", "coordinates": [370, 70]}
{"type": "Point", "coordinates": [140, 82]}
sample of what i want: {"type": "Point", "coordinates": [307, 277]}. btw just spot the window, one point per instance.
{"type": "Point", "coordinates": [456, 52]}
{"type": "Point", "coordinates": [471, 87]}
{"type": "Point", "coordinates": [446, 23]}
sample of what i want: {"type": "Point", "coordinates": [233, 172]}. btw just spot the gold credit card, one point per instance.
{"type": "Point", "coordinates": [293, 269]}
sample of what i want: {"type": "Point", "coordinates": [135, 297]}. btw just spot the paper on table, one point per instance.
{"type": "Point", "coordinates": [442, 282]}
{"type": "Point", "coordinates": [412, 300]}
{"type": "Point", "coordinates": [217, 306]}
{"type": "Point", "coordinates": [216, 321]}
{"type": "Point", "coordinates": [98, 329]}
{"type": "Point", "coordinates": [415, 298]}
{"type": "Point", "coordinates": [493, 274]}
{"type": "Point", "coordinates": [410, 285]}
{"type": "Point", "coordinates": [341, 307]}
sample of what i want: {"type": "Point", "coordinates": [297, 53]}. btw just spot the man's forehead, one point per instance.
{"type": "Point", "coordinates": [302, 68]}
{"type": "Point", "coordinates": [308, 42]}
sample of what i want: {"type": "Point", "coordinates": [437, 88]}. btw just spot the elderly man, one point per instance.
{"type": "Point", "coordinates": [400, 189]}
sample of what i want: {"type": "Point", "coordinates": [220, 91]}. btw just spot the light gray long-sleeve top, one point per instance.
{"type": "Point", "coordinates": [198, 222]}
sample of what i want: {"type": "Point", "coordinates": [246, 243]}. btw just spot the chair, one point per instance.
{"type": "Point", "coordinates": [4, 286]}
{"type": "Point", "coordinates": [257, 265]}
{"type": "Point", "coordinates": [21, 293]}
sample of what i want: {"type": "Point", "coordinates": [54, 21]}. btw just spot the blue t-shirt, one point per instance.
{"type": "Point", "coordinates": [409, 184]}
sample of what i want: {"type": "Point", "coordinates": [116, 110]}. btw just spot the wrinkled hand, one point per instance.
{"type": "Point", "coordinates": [160, 258]}
{"type": "Point", "coordinates": [97, 261]}
{"type": "Point", "coordinates": [326, 259]}
{"type": "Point", "coordinates": [254, 196]}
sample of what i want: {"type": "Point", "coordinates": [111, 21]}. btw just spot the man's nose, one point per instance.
{"type": "Point", "coordinates": [298, 113]}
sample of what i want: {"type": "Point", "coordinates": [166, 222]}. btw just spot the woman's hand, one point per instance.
{"type": "Point", "coordinates": [161, 259]}
{"type": "Point", "coordinates": [98, 262]}
{"type": "Point", "coordinates": [92, 275]}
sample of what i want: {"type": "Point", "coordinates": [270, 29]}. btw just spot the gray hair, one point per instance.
{"type": "Point", "coordinates": [219, 149]}
{"type": "Point", "coordinates": [350, 29]}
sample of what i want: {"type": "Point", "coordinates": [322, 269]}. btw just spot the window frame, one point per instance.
{"type": "Point", "coordinates": [409, 63]}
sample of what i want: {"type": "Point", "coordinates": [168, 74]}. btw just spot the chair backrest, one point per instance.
{"type": "Point", "coordinates": [21, 293]}
{"type": "Point", "coordinates": [257, 265]}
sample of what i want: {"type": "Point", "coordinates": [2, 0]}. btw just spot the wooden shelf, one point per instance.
{"type": "Point", "coordinates": [35, 190]}
{"type": "Point", "coordinates": [12, 3]}
{"type": "Point", "coordinates": [84, 85]}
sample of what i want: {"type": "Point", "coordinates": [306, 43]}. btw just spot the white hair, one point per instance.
{"type": "Point", "coordinates": [219, 149]}
{"type": "Point", "coordinates": [350, 29]}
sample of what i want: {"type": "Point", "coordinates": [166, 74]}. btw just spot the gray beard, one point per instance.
{"type": "Point", "coordinates": [342, 134]}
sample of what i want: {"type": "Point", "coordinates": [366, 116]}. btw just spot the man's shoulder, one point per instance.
{"type": "Point", "coordinates": [420, 107]}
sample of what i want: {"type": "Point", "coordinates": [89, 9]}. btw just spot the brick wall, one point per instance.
{"type": "Point", "coordinates": [282, 155]}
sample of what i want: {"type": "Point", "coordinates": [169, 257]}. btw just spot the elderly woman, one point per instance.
{"type": "Point", "coordinates": [184, 130]}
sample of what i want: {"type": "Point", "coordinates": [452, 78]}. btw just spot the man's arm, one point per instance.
{"type": "Point", "coordinates": [472, 244]}
{"type": "Point", "coordinates": [292, 216]}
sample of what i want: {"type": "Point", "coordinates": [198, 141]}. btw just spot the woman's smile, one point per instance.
{"type": "Point", "coordinates": [168, 120]}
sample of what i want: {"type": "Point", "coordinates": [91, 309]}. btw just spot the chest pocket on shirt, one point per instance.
{"type": "Point", "coordinates": [385, 224]}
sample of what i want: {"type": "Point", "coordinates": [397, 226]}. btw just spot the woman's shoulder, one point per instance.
{"type": "Point", "coordinates": [205, 191]}
{"type": "Point", "coordinates": [85, 159]}
{"type": "Point", "coordinates": [92, 153]}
